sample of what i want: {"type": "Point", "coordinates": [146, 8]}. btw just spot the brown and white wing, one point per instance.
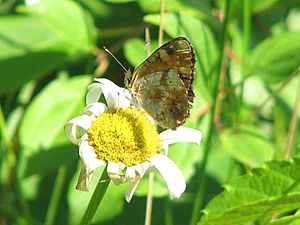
{"type": "Point", "coordinates": [176, 55]}
{"type": "Point", "coordinates": [164, 97]}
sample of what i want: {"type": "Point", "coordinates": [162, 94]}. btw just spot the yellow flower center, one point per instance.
{"type": "Point", "coordinates": [126, 135]}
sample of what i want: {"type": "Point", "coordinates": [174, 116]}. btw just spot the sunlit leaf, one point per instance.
{"type": "Point", "coordinates": [41, 133]}
{"type": "Point", "coordinates": [273, 189]}
{"type": "Point", "coordinates": [247, 145]}
{"type": "Point", "coordinates": [65, 18]}
{"type": "Point", "coordinates": [275, 58]}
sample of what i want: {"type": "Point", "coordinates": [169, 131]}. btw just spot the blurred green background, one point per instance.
{"type": "Point", "coordinates": [50, 51]}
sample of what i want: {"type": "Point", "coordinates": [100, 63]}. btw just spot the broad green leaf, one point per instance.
{"type": "Point", "coordinates": [111, 205]}
{"type": "Point", "coordinates": [258, 195]}
{"type": "Point", "coordinates": [20, 69]}
{"type": "Point", "coordinates": [66, 19]}
{"type": "Point", "coordinates": [32, 45]}
{"type": "Point", "coordinates": [247, 145]}
{"type": "Point", "coordinates": [29, 50]}
{"type": "Point", "coordinates": [120, 1]}
{"type": "Point", "coordinates": [198, 9]}
{"type": "Point", "coordinates": [173, 6]}
{"type": "Point", "coordinates": [275, 58]}
{"type": "Point", "coordinates": [21, 35]}
{"type": "Point", "coordinates": [41, 133]}
{"type": "Point", "coordinates": [258, 6]}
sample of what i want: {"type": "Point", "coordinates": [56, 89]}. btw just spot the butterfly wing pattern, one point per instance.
{"type": "Point", "coordinates": [163, 84]}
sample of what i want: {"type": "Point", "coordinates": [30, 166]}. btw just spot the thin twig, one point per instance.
{"type": "Point", "coordinates": [151, 174]}
{"type": "Point", "coordinates": [221, 94]}
{"type": "Point", "coordinates": [273, 95]}
{"type": "Point", "coordinates": [149, 199]}
{"type": "Point", "coordinates": [161, 23]}
{"type": "Point", "coordinates": [148, 41]}
{"type": "Point", "coordinates": [294, 121]}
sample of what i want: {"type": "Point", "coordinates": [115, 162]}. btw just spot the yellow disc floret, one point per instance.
{"type": "Point", "coordinates": [126, 135]}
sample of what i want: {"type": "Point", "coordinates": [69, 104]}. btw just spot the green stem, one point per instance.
{"type": "Point", "coordinates": [168, 212]}
{"type": "Point", "coordinates": [245, 46]}
{"type": "Point", "coordinates": [96, 198]}
{"type": "Point", "coordinates": [56, 194]}
{"type": "Point", "coordinates": [199, 200]}
{"type": "Point", "coordinates": [246, 29]}
{"type": "Point", "coordinates": [22, 201]}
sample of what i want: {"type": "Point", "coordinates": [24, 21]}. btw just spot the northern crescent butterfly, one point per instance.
{"type": "Point", "coordinates": [163, 84]}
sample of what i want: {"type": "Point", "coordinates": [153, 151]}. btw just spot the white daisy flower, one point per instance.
{"type": "Point", "coordinates": [125, 139]}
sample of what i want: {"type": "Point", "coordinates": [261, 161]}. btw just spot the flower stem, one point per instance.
{"type": "Point", "coordinates": [149, 199]}
{"type": "Point", "coordinates": [200, 194]}
{"type": "Point", "coordinates": [96, 198]}
{"type": "Point", "coordinates": [56, 194]}
{"type": "Point", "coordinates": [245, 47]}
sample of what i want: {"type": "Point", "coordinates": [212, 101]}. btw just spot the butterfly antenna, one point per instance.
{"type": "Point", "coordinates": [109, 52]}
{"type": "Point", "coordinates": [148, 43]}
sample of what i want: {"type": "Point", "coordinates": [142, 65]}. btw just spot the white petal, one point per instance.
{"type": "Point", "coordinates": [171, 174]}
{"type": "Point", "coordinates": [89, 157]}
{"type": "Point", "coordinates": [82, 121]}
{"type": "Point", "coordinates": [181, 134]}
{"type": "Point", "coordinates": [93, 94]}
{"type": "Point", "coordinates": [142, 168]}
{"type": "Point", "coordinates": [114, 95]}
{"type": "Point", "coordinates": [95, 108]}
{"type": "Point", "coordinates": [130, 173]}
{"type": "Point", "coordinates": [113, 168]}
{"type": "Point", "coordinates": [130, 191]}
{"type": "Point", "coordinates": [124, 98]}
{"type": "Point", "coordinates": [84, 178]}
{"type": "Point", "coordinates": [113, 173]}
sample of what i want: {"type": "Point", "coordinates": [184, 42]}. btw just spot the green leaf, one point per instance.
{"type": "Point", "coordinates": [18, 70]}
{"type": "Point", "coordinates": [32, 45]}
{"type": "Point", "coordinates": [275, 58]}
{"type": "Point", "coordinates": [173, 6]}
{"type": "Point", "coordinates": [66, 19]}
{"type": "Point", "coordinates": [257, 195]}
{"type": "Point", "coordinates": [199, 9]}
{"type": "Point", "coordinates": [42, 135]}
{"type": "Point", "coordinates": [258, 6]}
{"type": "Point", "coordinates": [28, 50]}
{"type": "Point", "coordinates": [120, 1]}
{"type": "Point", "coordinates": [248, 145]}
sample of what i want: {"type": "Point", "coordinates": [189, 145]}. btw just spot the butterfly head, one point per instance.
{"type": "Point", "coordinates": [128, 78]}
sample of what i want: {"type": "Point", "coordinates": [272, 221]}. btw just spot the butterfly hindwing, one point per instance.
{"type": "Point", "coordinates": [163, 83]}
{"type": "Point", "coordinates": [164, 95]}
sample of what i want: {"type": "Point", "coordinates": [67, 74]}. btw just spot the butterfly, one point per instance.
{"type": "Point", "coordinates": [163, 84]}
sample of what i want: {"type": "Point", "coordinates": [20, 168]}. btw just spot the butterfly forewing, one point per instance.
{"type": "Point", "coordinates": [163, 83]}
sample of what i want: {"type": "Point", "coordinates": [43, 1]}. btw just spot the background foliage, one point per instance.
{"type": "Point", "coordinates": [49, 53]}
